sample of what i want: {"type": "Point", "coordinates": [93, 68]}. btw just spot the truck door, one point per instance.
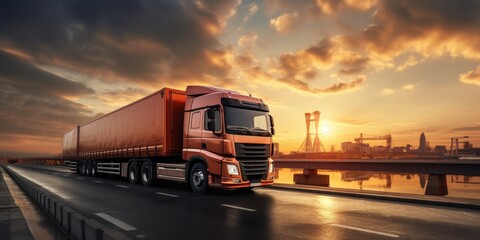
{"type": "Point", "coordinates": [212, 142]}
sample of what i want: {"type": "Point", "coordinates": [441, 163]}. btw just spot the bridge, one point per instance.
{"type": "Point", "coordinates": [437, 169]}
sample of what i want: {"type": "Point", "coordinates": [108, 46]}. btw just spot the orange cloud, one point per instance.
{"type": "Point", "coordinates": [286, 22]}
{"type": "Point", "coordinates": [431, 28]}
{"type": "Point", "coordinates": [248, 40]}
{"type": "Point", "coordinates": [471, 77]}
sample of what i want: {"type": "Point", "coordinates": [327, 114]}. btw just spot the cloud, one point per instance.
{"type": "Point", "coordinates": [34, 102]}
{"type": "Point", "coordinates": [388, 91]}
{"type": "Point", "coordinates": [319, 7]}
{"type": "Point", "coordinates": [146, 42]}
{"type": "Point", "coordinates": [18, 73]}
{"type": "Point", "coordinates": [330, 7]}
{"type": "Point", "coordinates": [341, 87]}
{"type": "Point", "coordinates": [123, 96]}
{"type": "Point", "coordinates": [248, 40]}
{"type": "Point", "coordinates": [411, 61]}
{"type": "Point", "coordinates": [252, 10]}
{"type": "Point", "coordinates": [244, 60]}
{"type": "Point", "coordinates": [286, 22]}
{"type": "Point", "coordinates": [467, 128]}
{"type": "Point", "coordinates": [408, 87]}
{"type": "Point", "coordinates": [431, 28]}
{"type": "Point", "coordinates": [471, 77]}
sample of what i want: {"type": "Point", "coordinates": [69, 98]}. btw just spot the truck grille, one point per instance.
{"type": "Point", "coordinates": [253, 160]}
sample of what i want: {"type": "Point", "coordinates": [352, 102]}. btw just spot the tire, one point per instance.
{"type": "Point", "coordinates": [83, 168]}
{"type": "Point", "coordinates": [146, 173]}
{"type": "Point", "coordinates": [94, 169]}
{"type": "Point", "coordinates": [198, 178]}
{"type": "Point", "coordinates": [77, 168]}
{"type": "Point", "coordinates": [88, 169]}
{"type": "Point", "coordinates": [133, 172]}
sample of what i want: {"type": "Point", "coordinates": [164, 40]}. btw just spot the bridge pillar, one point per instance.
{"type": "Point", "coordinates": [311, 177]}
{"type": "Point", "coordinates": [437, 185]}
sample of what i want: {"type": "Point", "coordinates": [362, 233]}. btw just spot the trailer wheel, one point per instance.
{"type": "Point", "coordinates": [88, 169]}
{"type": "Point", "coordinates": [94, 169]}
{"type": "Point", "coordinates": [133, 172]}
{"type": "Point", "coordinates": [198, 178]}
{"type": "Point", "coordinates": [83, 168]}
{"type": "Point", "coordinates": [146, 173]}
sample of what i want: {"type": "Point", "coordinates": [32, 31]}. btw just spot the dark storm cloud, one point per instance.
{"type": "Point", "coordinates": [32, 101]}
{"type": "Point", "coordinates": [20, 74]}
{"type": "Point", "coordinates": [141, 41]}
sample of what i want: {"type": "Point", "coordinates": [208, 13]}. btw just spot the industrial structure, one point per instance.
{"type": "Point", "coordinates": [387, 138]}
{"type": "Point", "coordinates": [307, 145]}
{"type": "Point", "coordinates": [454, 147]}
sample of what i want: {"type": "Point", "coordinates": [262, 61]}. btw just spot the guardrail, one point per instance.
{"type": "Point", "coordinates": [76, 225]}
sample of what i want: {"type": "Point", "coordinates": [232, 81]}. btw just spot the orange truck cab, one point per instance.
{"type": "Point", "coordinates": [231, 134]}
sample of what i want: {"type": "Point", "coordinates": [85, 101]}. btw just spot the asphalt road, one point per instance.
{"type": "Point", "coordinates": [170, 211]}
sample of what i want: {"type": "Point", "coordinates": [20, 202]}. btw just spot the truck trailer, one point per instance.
{"type": "Point", "coordinates": [207, 137]}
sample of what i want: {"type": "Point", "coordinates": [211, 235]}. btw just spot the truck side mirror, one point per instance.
{"type": "Point", "coordinates": [272, 125]}
{"type": "Point", "coordinates": [211, 114]}
{"type": "Point", "coordinates": [211, 125]}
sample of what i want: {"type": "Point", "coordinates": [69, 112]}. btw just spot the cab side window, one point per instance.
{"type": "Point", "coordinates": [195, 123]}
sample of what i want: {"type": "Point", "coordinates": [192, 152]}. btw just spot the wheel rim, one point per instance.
{"type": "Point", "coordinates": [198, 178]}
{"type": "Point", "coordinates": [132, 174]}
{"type": "Point", "coordinates": [145, 175]}
{"type": "Point", "coordinates": [94, 170]}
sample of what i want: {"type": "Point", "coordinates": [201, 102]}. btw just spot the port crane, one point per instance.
{"type": "Point", "coordinates": [455, 140]}
{"type": "Point", "coordinates": [387, 138]}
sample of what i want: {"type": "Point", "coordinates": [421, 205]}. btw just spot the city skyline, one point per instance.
{"type": "Point", "coordinates": [372, 67]}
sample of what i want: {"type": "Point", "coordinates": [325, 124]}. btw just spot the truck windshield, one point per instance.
{"type": "Point", "coordinates": [247, 122]}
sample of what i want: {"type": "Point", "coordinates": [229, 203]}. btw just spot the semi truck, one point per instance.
{"type": "Point", "coordinates": [206, 137]}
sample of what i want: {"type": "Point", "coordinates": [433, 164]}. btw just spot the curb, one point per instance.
{"type": "Point", "coordinates": [13, 224]}
{"type": "Point", "coordinates": [74, 224]}
{"type": "Point", "coordinates": [393, 197]}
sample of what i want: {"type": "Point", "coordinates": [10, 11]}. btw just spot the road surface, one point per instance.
{"type": "Point", "coordinates": [170, 211]}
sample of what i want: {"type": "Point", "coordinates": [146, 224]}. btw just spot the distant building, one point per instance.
{"type": "Point", "coordinates": [350, 147]}
{"type": "Point", "coordinates": [440, 149]}
{"type": "Point", "coordinates": [467, 145]}
{"type": "Point", "coordinates": [399, 149]}
{"type": "Point", "coordinates": [408, 148]}
{"type": "Point", "coordinates": [423, 143]}
{"type": "Point", "coordinates": [379, 149]}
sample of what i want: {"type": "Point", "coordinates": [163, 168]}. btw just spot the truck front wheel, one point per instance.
{"type": "Point", "coordinates": [198, 178]}
{"type": "Point", "coordinates": [133, 172]}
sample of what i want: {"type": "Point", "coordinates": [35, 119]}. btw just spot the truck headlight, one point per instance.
{"type": "Point", "coordinates": [270, 167]}
{"type": "Point", "coordinates": [232, 169]}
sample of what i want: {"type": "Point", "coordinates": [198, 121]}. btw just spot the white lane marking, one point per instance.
{"type": "Point", "coordinates": [97, 181]}
{"type": "Point", "coordinates": [116, 222]}
{"type": "Point", "coordinates": [80, 178]}
{"type": "Point", "coordinates": [122, 186]}
{"type": "Point", "coordinates": [366, 230]}
{"type": "Point", "coordinates": [166, 194]}
{"type": "Point", "coordinates": [40, 183]}
{"type": "Point", "coordinates": [239, 208]}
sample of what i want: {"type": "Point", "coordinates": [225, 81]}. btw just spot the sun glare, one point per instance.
{"type": "Point", "coordinates": [325, 129]}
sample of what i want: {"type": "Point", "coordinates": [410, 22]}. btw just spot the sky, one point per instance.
{"type": "Point", "coordinates": [374, 67]}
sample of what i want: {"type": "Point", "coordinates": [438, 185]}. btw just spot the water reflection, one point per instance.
{"type": "Point", "coordinates": [458, 186]}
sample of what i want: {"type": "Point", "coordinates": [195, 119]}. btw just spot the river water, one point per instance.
{"type": "Point", "coordinates": [458, 185]}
